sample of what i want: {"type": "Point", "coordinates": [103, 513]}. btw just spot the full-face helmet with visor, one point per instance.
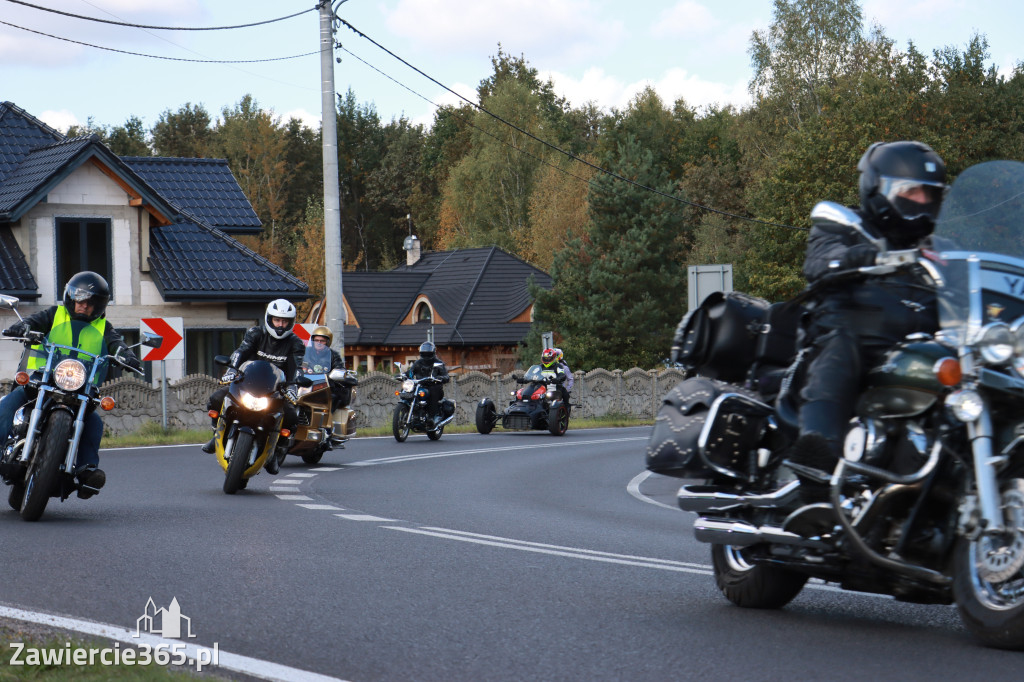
{"type": "Point", "coordinates": [901, 190]}
{"type": "Point", "coordinates": [279, 309]}
{"type": "Point", "coordinates": [90, 288]}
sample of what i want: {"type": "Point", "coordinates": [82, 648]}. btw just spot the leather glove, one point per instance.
{"type": "Point", "coordinates": [229, 375]}
{"type": "Point", "coordinates": [134, 363]}
{"type": "Point", "coordinates": [859, 255]}
{"type": "Point", "coordinates": [292, 394]}
{"type": "Point", "coordinates": [16, 329]}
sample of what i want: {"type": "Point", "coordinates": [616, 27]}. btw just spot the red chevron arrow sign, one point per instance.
{"type": "Point", "coordinates": [171, 329]}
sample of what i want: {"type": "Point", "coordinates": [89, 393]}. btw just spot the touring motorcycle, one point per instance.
{"type": "Point", "coordinates": [249, 430]}
{"type": "Point", "coordinates": [537, 405]}
{"type": "Point", "coordinates": [38, 458]}
{"type": "Point", "coordinates": [926, 503]}
{"type": "Point", "coordinates": [315, 433]}
{"type": "Point", "coordinates": [412, 413]}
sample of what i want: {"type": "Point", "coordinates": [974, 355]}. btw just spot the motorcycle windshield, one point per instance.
{"type": "Point", "coordinates": [261, 377]}
{"type": "Point", "coordinates": [535, 373]}
{"type": "Point", "coordinates": [980, 236]}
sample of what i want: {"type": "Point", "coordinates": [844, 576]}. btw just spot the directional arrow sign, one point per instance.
{"type": "Point", "coordinates": [171, 329]}
{"type": "Point", "coordinates": [303, 330]}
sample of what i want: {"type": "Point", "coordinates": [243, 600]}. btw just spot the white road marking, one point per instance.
{"type": "Point", "coordinates": [320, 506]}
{"type": "Point", "coordinates": [479, 451]}
{"type": "Point", "coordinates": [285, 481]}
{"type": "Point", "coordinates": [294, 497]}
{"type": "Point", "coordinates": [634, 489]}
{"type": "Point", "coordinates": [365, 517]}
{"type": "Point", "coordinates": [264, 670]}
{"type": "Point", "coordinates": [299, 476]}
{"type": "Point", "coordinates": [327, 469]}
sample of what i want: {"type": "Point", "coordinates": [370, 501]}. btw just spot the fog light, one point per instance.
{"type": "Point", "coordinates": [966, 406]}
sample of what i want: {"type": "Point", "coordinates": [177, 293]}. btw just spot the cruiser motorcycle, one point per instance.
{"type": "Point", "coordinates": [927, 501]}
{"type": "Point", "coordinates": [412, 413]}
{"type": "Point", "coordinates": [38, 458]}
{"type": "Point", "coordinates": [537, 405]}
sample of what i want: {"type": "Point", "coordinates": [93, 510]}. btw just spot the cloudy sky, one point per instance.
{"type": "Point", "coordinates": [594, 50]}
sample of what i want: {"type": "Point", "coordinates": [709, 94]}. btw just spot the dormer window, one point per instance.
{"type": "Point", "coordinates": [423, 313]}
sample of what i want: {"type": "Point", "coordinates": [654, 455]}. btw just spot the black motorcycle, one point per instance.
{"type": "Point", "coordinates": [927, 502]}
{"type": "Point", "coordinates": [412, 413]}
{"type": "Point", "coordinates": [538, 405]}
{"type": "Point", "coordinates": [38, 458]}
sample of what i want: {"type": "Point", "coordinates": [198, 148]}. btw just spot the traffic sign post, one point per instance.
{"type": "Point", "coordinates": [172, 330]}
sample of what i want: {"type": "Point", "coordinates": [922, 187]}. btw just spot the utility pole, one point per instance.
{"type": "Point", "coordinates": [335, 313]}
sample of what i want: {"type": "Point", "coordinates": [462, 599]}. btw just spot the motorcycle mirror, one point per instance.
{"type": "Point", "coordinates": [152, 340]}
{"type": "Point", "coordinates": [9, 302]}
{"type": "Point", "coordinates": [399, 366]}
{"type": "Point", "coordinates": [221, 360]}
{"type": "Point", "coordinates": [304, 381]}
{"type": "Point", "coordinates": [336, 375]}
{"type": "Point", "coordinates": [831, 212]}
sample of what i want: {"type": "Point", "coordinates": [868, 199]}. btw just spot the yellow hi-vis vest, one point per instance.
{"type": "Point", "coordinates": [89, 337]}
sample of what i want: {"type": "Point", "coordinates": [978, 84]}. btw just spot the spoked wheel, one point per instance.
{"type": "Point", "coordinates": [400, 422]}
{"type": "Point", "coordinates": [558, 420]}
{"type": "Point", "coordinates": [41, 479]}
{"type": "Point", "coordinates": [750, 585]}
{"type": "Point", "coordinates": [485, 417]}
{"type": "Point", "coordinates": [234, 476]}
{"type": "Point", "coordinates": [988, 580]}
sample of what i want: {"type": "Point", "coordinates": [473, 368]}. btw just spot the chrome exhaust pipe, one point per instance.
{"type": "Point", "coordinates": [742, 534]}
{"type": "Point", "coordinates": [707, 498]}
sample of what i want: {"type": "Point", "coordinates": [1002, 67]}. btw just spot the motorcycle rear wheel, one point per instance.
{"type": "Point", "coordinates": [313, 457]}
{"type": "Point", "coordinates": [435, 434]}
{"type": "Point", "coordinates": [753, 586]}
{"type": "Point", "coordinates": [988, 580]}
{"type": "Point", "coordinates": [400, 422]}
{"type": "Point", "coordinates": [41, 479]}
{"type": "Point", "coordinates": [233, 477]}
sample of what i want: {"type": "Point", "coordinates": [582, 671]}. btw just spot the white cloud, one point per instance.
{"type": "Point", "coordinates": [539, 29]}
{"type": "Point", "coordinates": [309, 120]}
{"type": "Point", "coordinates": [684, 19]}
{"type": "Point", "coordinates": [59, 120]}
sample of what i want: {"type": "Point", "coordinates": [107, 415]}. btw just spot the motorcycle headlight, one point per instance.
{"type": "Point", "coordinates": [69, 375]}
{"type": "Point", "coordinates": [550, 395]}
{"type": "Point", "coordinates": [966, 406]}
{"type": "Point", "coordinates": [254, 403]}
{"type": "Point", "coordinates": [996, 344]}
{"type": "Point", "coordinates": [407, 386]}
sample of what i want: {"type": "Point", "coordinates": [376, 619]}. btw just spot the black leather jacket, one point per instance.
{"type": "Point", "coordinates": [286, 354]}
{"type": "Point", "coordinates": [879, 309]}
{"type": "Point", "coordinates": [425, 368]}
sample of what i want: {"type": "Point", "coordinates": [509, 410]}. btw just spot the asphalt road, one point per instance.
{"type": "Point", "coordinates": [512, 556]}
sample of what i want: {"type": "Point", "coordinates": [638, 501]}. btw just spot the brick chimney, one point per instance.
{"type": "Point", "coordinates": [412, 249]}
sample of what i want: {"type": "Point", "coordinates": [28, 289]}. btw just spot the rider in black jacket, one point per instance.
{"type": "Point", "coordinates": [275, 343]}
{"type": "Point", "coordinates": [429, 365]}
{"type": "Point", "coordinates": [852, 325]}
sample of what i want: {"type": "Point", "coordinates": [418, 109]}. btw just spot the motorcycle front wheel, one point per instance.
{"type": "Point", "coordinates": [400, 422]}
{"type": "Point", "coordinates": [485, 418]}
{"type": "Point", "coordinates": [15, 496]}
{"type": "Point", "coordinates": [988, 578]}
{"type": "Point", "coordinates": [753, 586]}
{"type": "Point", "coordinates": [558, 420]}
{"type": "Point", "coordinates": [233, 477]}
{"type": "Point", "coordinates": [45, 467]}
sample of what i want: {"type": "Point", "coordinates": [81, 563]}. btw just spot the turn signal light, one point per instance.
{"type": "Point", "coordinates": [213, 414]}
{"type": "Point", "coordinates": [397, 392]}
{"type": "Point", "coordinates": [948, 371]}
{"type": "Point", "coordinates": [21, 378]}
{"type": "Point", "coordinates": [108, 403]}
{"type": "Point", "coordinates": [286, 432]}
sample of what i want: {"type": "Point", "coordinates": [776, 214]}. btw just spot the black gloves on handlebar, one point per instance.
{"type": "Point", "coordinates": [858, 256]}
{"type": "Point", "coordinates": [292, 394]}
{"type": "Point", "coordinates": [16, 329]}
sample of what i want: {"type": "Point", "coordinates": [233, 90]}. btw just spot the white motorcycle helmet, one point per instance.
{"type": "Point", "coordinates": [279, 308]}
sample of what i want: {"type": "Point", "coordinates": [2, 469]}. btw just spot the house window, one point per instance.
{"type": "Point", "coordinates": [82, 244]}
{"type": "Point", "coordinates": [423, 313]}
{"type": "Point", "coordinates": [201, 345]}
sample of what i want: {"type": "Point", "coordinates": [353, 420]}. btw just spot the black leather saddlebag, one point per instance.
{"type": "Point", "coordinates": [673, 448]}
{"type": "Point", "coordinates": [718, 338]}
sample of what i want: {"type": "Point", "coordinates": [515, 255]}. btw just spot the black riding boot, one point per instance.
{"type": "Point", "coordinates": [816, 452]}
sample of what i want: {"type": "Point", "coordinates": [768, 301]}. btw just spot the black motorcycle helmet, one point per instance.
{"type": "Point", "coordinates": [891, 173]}
{"type": "Point", "coordinates": [87, 286]}
{"type": "Point", "coordinates": [427, 350]}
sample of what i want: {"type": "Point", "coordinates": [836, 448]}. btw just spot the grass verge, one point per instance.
{"type": "Point", "coordinates": [153, 433]}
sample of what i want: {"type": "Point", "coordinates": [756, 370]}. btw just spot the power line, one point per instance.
{"type": "Point", "coordinates": [156, 56]}
{"type": "Point", "coordinates": [562, 151]}
{"type": "Point", "coordinates": [158, 28]}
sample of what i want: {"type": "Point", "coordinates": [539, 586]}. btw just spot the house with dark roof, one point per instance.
{"type": "Point", "coordinates": [474, 304]}
{"type": "Point", "coordinates": [158, 229]}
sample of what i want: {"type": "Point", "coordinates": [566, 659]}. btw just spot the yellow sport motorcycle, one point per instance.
{"type": "Point", "coordinates": [249, 429]}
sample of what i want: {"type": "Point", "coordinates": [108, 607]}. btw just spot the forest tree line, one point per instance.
{"type": "Point", "coordinates": [824, 87]}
